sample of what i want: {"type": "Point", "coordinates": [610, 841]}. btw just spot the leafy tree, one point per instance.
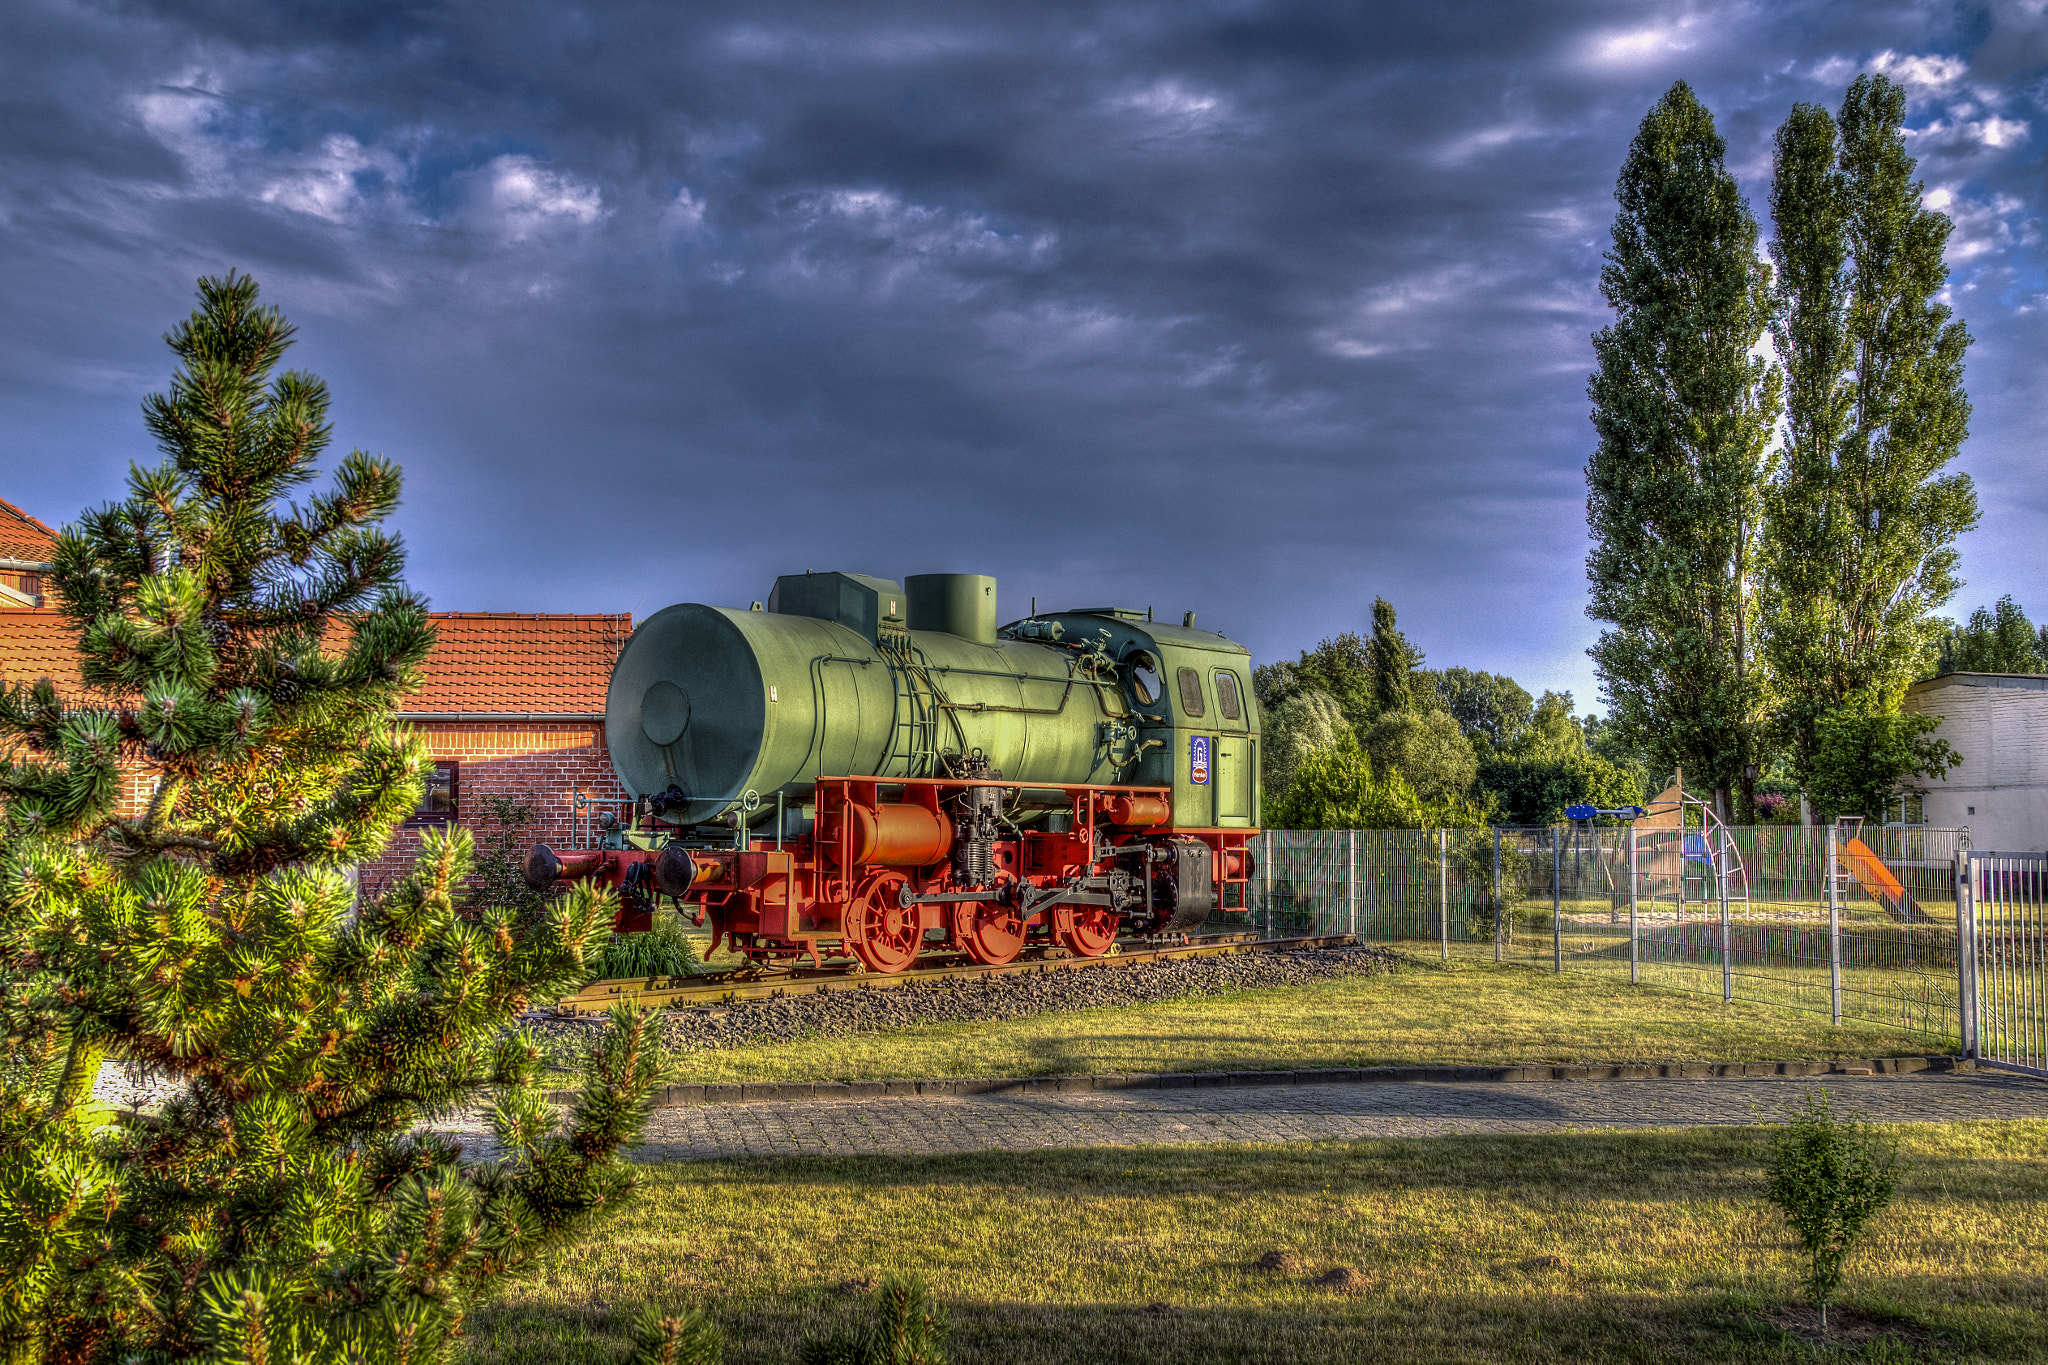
{"type": "Point", "coordinates": [1336, 789]}
{"type": "Point", "coordinates": [1304, 723]}
{"type": "Point", "coordinates": [1553, 730]}
{"type": "Point", "coordinates": [1603, 740]}
{"type": "Point", "coordinates": [1349, 670]}
{"type": "Point", "coordinates": [1339, 668]}
{"type": "Point", "coordinates": [250, 655]}
{"type": "Point", "coordinates": [1491, 708]}
{"type": "Point", "coordinates": [2000, 640]}
{"type": "Point", "coordinates": [1830, 1176]}
{"type": "Point", "coordinates": [1864, 755]}
{"type": "Point", "coordinates": [1536, 791]}
{"type": "Point", "coordinates": [1683, 411]}
{"type": "Point", "coordinates": [1861, 521]}
{"type": "Point", "coordinates": [1426, 748]}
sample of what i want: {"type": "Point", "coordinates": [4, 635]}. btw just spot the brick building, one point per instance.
{"type": "Point", "coordinates": [513, 707]}
{"type": "Point", "coordinates": [25, 549]}
{"type": "Point", "coordinates": [1998, 724]}
{"type": "Point", "coordinates": [513, 704]}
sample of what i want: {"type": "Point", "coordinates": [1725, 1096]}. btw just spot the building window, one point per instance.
{"type": "Point", "coordinates": [1190, 691]}
{"type": "Point", "coordinates": [439, 805]}
{"type": "Point", "coordinates": [1227, 703]}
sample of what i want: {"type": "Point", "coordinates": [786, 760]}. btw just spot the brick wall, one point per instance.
{"type": "Point", "coordinates": [551, 761]}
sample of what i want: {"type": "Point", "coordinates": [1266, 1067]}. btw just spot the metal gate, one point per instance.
{"type": "Point", "coordinates": [2002, 958]}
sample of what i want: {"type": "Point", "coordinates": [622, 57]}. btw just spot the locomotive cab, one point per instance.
{"type": "Point", "coordinates": [1190, 699]}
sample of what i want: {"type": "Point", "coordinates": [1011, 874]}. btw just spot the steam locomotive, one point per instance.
{"type": "Point", "coordinates": [867, 770]}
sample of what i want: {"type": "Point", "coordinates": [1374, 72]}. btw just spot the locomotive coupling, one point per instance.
{"type": "Point", "coordinates": [675, 871]}
{"type": "Point", "coordinates": [544, 866]}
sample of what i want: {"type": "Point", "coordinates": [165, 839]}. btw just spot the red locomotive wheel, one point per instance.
{"type": "Point", "coordinates": [1084, 930]}
{"type": "Point", "coordinates": [992, 934]}
{"type": "Point", "coordinates": [882, 934]}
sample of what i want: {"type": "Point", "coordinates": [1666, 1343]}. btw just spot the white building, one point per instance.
{"type": "Point", "coordinates": [1998, 722]}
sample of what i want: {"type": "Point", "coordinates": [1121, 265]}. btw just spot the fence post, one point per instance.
{"type": "Point", "coordinates": [1966, 954]}
{"type": "Point", "coordinates": [1834, 935]}
{"type": "Point", "coordinates": [1500, 914]}
{"type": "Point", "coordinates": [1443, 889]}
{"type": "Point", "coordinates": [1727, 947]}
{"type": "Point", "coordinates": [1635, 974]}
{"type": "Point", "coordinates": [1556, 902]}
{"type": "Point", "coordinates": [1266, 847]}
{"type": "Point", "coordinates": [1351, 879]}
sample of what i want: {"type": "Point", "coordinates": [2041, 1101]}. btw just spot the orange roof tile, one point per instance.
{"type": "Point", "coordinates": [23, 537]}
{"type": "Point", "coordinates": [483, 663]}
{"type": "Point", "coordinates": [39, 644]}
{"type": "Point", "coordinates": [507, 663]}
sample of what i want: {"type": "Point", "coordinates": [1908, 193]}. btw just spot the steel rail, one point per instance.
{"type": "Point", "coordinates": [743, 984]}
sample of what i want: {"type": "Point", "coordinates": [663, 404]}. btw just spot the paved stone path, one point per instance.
{"type": "Point", "coordinates": [1285, 1113]}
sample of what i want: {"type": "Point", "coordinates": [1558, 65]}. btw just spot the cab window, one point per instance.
{"type": "Point", "coordinates": [1190, 692]}
{"type": "Point", "coordinates": [1144, 678]}
{"type": "Point", "coordinates": [1227, 703]}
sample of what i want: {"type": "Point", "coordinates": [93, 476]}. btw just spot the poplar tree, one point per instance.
{"type": "Point", "coordinates": [1861, 520]}
{"type": "Point", "coordinates": [247, 654]}
{"type": "Point", "coordinates": [1394, 661]}
{"type": "Point", "coordinates": [1683, 410]}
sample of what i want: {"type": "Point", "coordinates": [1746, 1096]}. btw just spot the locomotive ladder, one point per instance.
{"type": "Point", "coordinates": [914, 742]}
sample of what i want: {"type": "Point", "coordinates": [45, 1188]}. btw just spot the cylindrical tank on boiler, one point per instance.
{"type": "Point", "coordinates": [838, 679]}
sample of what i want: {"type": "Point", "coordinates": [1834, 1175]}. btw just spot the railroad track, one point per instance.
{"type": "Point", "coordinates": [755, 984]}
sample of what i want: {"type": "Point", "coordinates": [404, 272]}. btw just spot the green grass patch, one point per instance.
{"type": "Point", "coordinates": [1639, 1246]}
{"type": "Point", "coordinates": [1463, 1013]}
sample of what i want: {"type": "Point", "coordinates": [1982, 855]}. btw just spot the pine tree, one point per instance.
{"type": "Point", "coordinates": [1861, 521]}
{"type": "Point", "coordinates": [249, 653]}
{"type": "Point", "coordinates": [1683, 410]}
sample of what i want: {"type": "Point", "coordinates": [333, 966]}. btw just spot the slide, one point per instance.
{"type": "Point", "coordinates": [1874, 877]}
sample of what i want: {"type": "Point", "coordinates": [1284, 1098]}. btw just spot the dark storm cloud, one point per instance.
{"type": "Point", "coordinates": [1255, 309]}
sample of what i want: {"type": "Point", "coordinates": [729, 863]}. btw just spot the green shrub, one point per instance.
{"type": "Point", "coordinates": [503, 829]}
{"type": "Point", "coordinates": [1831, 1176]}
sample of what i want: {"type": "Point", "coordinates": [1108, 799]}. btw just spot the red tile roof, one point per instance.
{"type": "Point", "coordinates": [501, 663]}
{"type": "Point", "coordinates": [483, 663]}
{"type": "Point", "coordinates": [23, 537]}
{"type": "Point", "coordinates": [39, 644]}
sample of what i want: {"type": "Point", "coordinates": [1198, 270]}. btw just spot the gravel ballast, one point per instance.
{"type": "Point", "coordinates": [988, 999]}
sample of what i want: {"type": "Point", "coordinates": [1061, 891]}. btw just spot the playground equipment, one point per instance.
{"type": "Point", "coordinates": [1682, 852]}
{"type": "Point", "coordinates": [1856, 865]}
{"type": "Point", "coordinates": [1685, 856]}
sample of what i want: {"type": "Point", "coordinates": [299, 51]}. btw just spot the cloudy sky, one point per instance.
{"type": "Point", "coordinates": [1254, 309]}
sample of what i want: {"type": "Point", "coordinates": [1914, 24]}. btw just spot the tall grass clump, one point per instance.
{"type": "Point", "coordinates": [664, 950]}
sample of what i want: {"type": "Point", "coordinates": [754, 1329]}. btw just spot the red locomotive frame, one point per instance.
{"type": "Point", "coordinates": [884, 880]}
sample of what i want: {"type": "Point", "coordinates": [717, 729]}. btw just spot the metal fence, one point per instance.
{"type": "Point", "coordinates": [2005, 959]}
{"type": "Point", "coordinates": [1799, 917]}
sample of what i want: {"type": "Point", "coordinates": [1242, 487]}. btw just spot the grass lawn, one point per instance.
{"type": "Point", "coordinates": [1650, 1247]}
{"type": "Point", "coordinates": [1475, 1013]}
